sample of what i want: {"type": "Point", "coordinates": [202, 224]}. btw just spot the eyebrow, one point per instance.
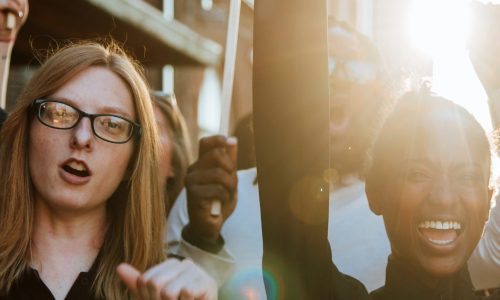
{"type": "Point", "coordinates": [103, 110]}
{"type": "Point", "coordinates": [423, 160]}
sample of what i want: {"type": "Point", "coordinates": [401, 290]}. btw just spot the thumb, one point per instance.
{"type": "Point", "coordinates": [129, 276]}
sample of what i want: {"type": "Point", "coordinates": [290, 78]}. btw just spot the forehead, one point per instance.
{"type": "Point", "coordinates": [97, 90]}
{"type": "Point", "coordinates": [445, 139]}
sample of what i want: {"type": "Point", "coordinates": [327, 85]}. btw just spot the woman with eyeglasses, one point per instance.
{"type": "Point", "coordinates": [79, 189]}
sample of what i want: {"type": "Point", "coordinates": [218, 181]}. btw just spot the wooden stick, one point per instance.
{"type": "Point", "coordinates": [229, 64]}
{"type": "Point", "coordinates": [228, 78]}
{"type": "Point", "coordinates": [10, 24]}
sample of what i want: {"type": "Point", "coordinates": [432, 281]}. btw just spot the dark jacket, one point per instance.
{"type": "Point", "coordinates": [400, 284]}
{"type": "Point", "coordinates": [3, 116]}
{"type": "Point", "coordinates": [344, 287]}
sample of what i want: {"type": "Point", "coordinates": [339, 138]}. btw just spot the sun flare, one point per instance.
{"type": "Point", "coordinates": [437, 26]}
{"type": "Point", "coordinates": [440, 29]}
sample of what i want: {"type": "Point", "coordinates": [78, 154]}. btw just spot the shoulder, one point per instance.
{"type": "Point", "coordinates": [378, 294]}
{"type": "Point", "coordinates": [346, 287]}
{"type": "Point", "coordinates": [3, 116]}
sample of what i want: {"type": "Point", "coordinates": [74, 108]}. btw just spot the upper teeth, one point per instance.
{"type": "Point", "coordinates": [440, 225]}
{"type": "Point", "coordinates": [77, 166]}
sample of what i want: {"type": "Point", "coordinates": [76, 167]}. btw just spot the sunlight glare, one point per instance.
{"type": "Point", "coordinates": [437, 26]}
{"type": "Point", "coordinates": [455, 79]}
{"type": "Point", "coordinates": [440, 29]}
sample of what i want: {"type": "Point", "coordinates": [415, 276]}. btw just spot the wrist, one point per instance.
{"type": "Point", "coordinates": [212, 245]}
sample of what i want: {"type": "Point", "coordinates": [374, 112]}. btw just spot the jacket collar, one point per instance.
{"type": "Point", "coordinates": [401, 283]}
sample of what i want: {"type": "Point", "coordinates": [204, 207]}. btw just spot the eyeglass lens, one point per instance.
{"type": "Point", "coordinates": [63, 116]}
{"type": "Point", "coordinates": [356, 70]}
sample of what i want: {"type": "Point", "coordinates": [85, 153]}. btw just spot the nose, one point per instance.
{"type": "Point", "coordinates": [82, 135]}
{"type": "Point", "coordinates": [443, 194]}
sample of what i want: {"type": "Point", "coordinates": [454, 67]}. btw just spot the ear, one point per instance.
{"type": "Point", "coordinates": [491, 192]}
{"type": "Point", "coordinates": [374, 196]}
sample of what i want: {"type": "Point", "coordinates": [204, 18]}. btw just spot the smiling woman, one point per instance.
{"type": "Point", "coordinates": [82, 193]}
{"type": "Point", "coordinates": [429, 179]}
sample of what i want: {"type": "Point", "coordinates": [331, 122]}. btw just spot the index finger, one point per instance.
{"type": "Point", "coordinates": [208, 143]}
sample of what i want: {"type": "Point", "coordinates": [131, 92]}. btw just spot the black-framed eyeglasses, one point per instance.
{"type": "Point", "coordinates": [108, 127]}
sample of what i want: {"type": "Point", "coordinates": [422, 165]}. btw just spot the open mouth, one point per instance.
{"type": "Point", "coordinates": [76, 168]}
{"type": "Point", "coordinates": [440, 233]}
{"type": "Point", "coordinates": [339, 120]}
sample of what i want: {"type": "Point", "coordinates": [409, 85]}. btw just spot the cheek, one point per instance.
{"type": "Point", "coordinates": [165, 156]}
{"type": "Point", "coordinates": [41, 154]}
{"type": "Point", "coordinates": [477, 207]}
{"type": "Point", "coordinates": [120, 159]}
{"type": "Point", "coordinates": [401, 209]}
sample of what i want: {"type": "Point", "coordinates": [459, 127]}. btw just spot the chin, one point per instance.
{"type": "Point", "coordinates": [73, 204]}
{"type": "Point", "coordinates": [442, 268]}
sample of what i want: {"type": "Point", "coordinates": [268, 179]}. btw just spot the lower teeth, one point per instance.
{"type": "Point", "coordinates": [441, 242]}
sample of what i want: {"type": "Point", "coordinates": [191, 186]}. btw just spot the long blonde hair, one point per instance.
{"type": "Point", "coordinates": [136, 209]}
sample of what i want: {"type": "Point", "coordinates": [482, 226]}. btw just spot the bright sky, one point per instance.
{"type": "Point", "coordinates": [440, 28]}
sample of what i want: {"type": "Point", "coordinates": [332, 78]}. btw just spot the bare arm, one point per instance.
{"type": "Point", "coordinates": [13, 14]}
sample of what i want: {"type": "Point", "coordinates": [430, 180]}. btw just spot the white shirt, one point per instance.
{"type": "Point", "coordinates": [238, 267]}
{"type": "Point", "coordinates": [357, 237]}
{"type": "Point", "coordinates": [484, 264]}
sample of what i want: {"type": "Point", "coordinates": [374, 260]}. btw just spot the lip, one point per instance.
{"type": "Point", "coordinates": [71, 178]}
{"type": "Point", "coordinates": [339, 122]}
{"type": "Point", "coordinates": [339, 127]}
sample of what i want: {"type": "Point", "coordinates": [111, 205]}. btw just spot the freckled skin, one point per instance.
{"type": "Point", "coordinates": [94, 90]}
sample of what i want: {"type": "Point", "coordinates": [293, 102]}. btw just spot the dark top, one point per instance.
{"type": "Point", "coordinates": [3, 116]}
{"type": "Point", "coordinates": [344, 287]}
{"type": "Point", "coordinates": [400, 284]}
{"type": "Point", "coordinates": [30, 286]}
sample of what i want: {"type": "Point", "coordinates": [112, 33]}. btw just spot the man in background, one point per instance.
{"type": "Point", "coordinates": [229, 246]}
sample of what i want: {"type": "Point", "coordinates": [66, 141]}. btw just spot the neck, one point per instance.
{"type": "Point", "coordinates": [64, 244]}
{"type": "Point", "coordinates": [424, 279]}
{"type": "Point", "coordinates": [59, 234]}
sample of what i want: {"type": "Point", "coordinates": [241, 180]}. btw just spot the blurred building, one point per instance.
{"type": "Point", "coordinates": [188, 35]}
{"type": "Point", "coordinates": [385, 22]}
